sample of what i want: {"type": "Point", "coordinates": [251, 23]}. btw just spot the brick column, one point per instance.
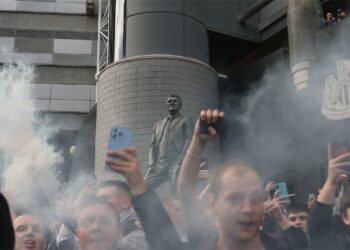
{"type": "Point", "coordinates": [132, 93]}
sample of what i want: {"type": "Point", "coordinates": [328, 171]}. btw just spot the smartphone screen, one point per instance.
{"type": "Point", "coordinates": [119, 138]}
{"type": "Point", "coordinates": [282, 186]}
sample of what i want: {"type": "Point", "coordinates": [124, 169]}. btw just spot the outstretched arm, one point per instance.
{"type": "Point", "coordinates": [321, 213]}
{"type": "Point", "coordinates": [188, 178]}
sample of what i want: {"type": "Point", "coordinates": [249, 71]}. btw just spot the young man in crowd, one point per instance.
{"type": "Point", "coordinates": [29, 233]}
{"type": "Point", "coordinates": [298, 215]}
{"type": "Point", "coordinates": [173, 207]}
{"type": "Point", "coordinates": [341, 15]}
{"type": "Point", "coordinates": [237, 201]}
{"type": "Point", "coordinates": [327, 231]}
{"type": "Point", "coordinates": [330, 19]}
{"type": "Point", "coordinates": [98, 225]}
{"type": "Point", "coordinates": [119, 194]}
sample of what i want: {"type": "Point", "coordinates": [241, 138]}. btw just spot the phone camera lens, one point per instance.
{"type": "Point", "coordinates": [120, 133]}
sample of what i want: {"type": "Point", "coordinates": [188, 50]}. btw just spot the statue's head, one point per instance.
{"type": "Point", "coordinates": [174, 104]}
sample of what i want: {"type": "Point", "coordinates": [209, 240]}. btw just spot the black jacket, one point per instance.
{"type": "Point", "coordinates": [160, 232]}
{"type": "Point", "coordinates": [326, 231]}
{"type": "Point", "coordinates": [7, 236]}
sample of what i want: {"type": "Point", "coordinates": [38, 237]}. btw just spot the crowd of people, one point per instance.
{"type": "Point", "coordinates": [333, 19]}
{"type": "Point", "coordinates": [235, 211]}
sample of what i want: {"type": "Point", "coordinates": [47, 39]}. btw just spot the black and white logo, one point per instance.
{"type": "Point", "coordinates": [336, 95]}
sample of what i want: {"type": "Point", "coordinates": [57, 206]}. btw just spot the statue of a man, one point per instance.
{"type": "Point", "coordinates": [170, 140]}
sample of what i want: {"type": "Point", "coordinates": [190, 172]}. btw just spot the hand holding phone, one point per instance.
{"type": "Point", "coordinates": [218, 126]}
{"type": "Point", "coordinates": [119, 138]}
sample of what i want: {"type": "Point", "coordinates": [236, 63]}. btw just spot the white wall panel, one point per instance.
{"type": "Point", "coordinates": [71, 46]}
{"type": "Point", "coordinates": [6, 57]}
{"type": "Point", "coordinates": [10, 5]}
{"type": "Point", "coordinates": [39, 58]}
{"type": "Point", "coordinates": [42, 91]}
{"type": "Point", "coordinates": [70, 106]}
{"type": "Point", "coordinates": [42, 104]}
{"type": "Point", "coordinates": [70, 92]}
{"type": "Point", "coordinates": [7, 44]}
{"type": "Point", "coordinates": [36, 6]}
{"type": "Point", "coordinates": [74, 8]}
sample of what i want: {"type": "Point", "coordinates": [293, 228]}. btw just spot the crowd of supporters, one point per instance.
{"type": "Point", "coordinates": [331, 18]}
{"type": "Point", "coordinates": [235, 211]}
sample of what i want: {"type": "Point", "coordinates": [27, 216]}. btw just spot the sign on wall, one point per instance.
{"type": "Point", "coordinates": [336, 95]}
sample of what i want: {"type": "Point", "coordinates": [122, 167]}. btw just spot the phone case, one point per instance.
{"type": "Point", "coordinates": [282, 186]}
{"type": "Point", "coordinates": [119, 138]}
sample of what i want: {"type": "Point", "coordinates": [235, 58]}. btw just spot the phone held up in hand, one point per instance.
{"type": "Point", "coordinates": [283, 192]}
{"type": "Point", "coordinates": [119, 138]}
{"type": "Point", "coordinates": [282, 187]}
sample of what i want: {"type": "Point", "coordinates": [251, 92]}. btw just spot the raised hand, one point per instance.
{"type": "Point", "coordinates": [128, 165]}
{"type": "Point", "coordinates": [209, 116]}
{"type": "Point", "coordinates": [338, 167]}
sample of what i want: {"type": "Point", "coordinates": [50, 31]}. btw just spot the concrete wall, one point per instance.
{"type": "Point", "coordinates": [132, 93]}
{"type": "Point", "coordinates": [48, 39]}
{"type": "Point", "coordinates": [62, 48]}
{"type": "Point", "coordinates": [52, 6]}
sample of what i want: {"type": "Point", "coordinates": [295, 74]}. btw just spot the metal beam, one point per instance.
{"type": "Point", "coordinates": [103, 40]}
{"type": "Point", "coordinates": [252, 10]}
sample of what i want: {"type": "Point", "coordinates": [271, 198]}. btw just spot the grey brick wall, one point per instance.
{"type": "Point", "coordinates": [132, 93]}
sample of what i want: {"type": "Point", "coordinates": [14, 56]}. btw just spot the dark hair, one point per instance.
{"type": "Point", "coordinates": [239, 167]}
{"type": "Point", "coordinates": [118, 184]}
{"type": "Point", "coordinates": [297, 207]}
{"type": "Point", "coordinates": [98, 201]}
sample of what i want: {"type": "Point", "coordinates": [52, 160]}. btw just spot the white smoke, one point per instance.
{"type": "Point", "coordinates": [22, 137]}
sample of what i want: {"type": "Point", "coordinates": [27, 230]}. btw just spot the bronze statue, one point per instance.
{"type": "Point", "coordinates": [170, 140]}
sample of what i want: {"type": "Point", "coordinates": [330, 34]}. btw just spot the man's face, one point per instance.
{"type": "Point", "coordinates": [239, 206]}
{"type": "Point", "coordinates": [175, 212]}
{"type": "Point", "coordinates": [119, 199]}
{"type": "Point", "coordinates": [98, 228]}
{"type": "Point", "coordinates": [173, 104]}
{"type": "Point", "coordinates": [29, 233]}
{"type": "Point", "coordinates": [299, 220]}
{"type": "Point", "coordinates": [329, 16]}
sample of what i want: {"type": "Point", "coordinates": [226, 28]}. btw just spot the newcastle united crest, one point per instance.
{"type": "Point", "coordinates": [336, 95]}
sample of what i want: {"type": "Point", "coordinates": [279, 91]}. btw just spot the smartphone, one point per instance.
{"type": "Point", "coordinates": [119, 138]}
{"type": "Point", "coordinates": [340, 148]}
{"type": "Point", "coordinates": [282, 186]}
{"type": "Point", "coordinates": [218, 126]}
